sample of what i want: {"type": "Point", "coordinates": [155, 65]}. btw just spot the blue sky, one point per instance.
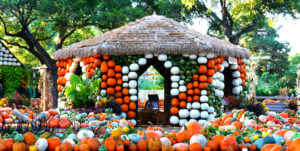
{"type": "Point", "coordinates": [290, 31]}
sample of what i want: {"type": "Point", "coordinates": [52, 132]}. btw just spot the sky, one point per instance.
{"type": "Point", "coordinates": [289, 32]}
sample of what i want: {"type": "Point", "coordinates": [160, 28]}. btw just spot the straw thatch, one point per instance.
{"type": "Point", "coordinates": [151, 34]}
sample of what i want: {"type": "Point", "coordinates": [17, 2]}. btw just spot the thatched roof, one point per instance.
{"type": "Point", "coordinates": [151, 34]}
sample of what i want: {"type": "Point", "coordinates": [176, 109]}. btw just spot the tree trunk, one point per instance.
{"type": "Point", "coordinates": [38, 51]}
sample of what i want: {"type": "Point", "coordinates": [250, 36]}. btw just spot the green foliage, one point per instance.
{"type": "Point", "coordinates": [268, 85]}
{"type": "Point", "coordinates": [82, 93]}
{"type": "Point", "coordinates": [151, 80]}
{"type": "Point", "coordinates": [126, 60]}
{"type": "Point", "coordinates": [12, 78]}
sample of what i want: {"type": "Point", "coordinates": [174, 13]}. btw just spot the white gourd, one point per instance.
{"type": "Point", "coordinates": [210, 117]}
{"type": "Point", "coordinates": [193, 56]}
{"type": "Point", "coordinates": [84, 133]}
{"type": "Point", "coordinates": [125, 85]}
{"type": "Point", "coordinates": [192, 120]}
{"type": "Point", "coordinates": [182, 88]}
{"type": "Point", "coordinates": [125, 70]}
{"type": "Point", "coordinates": [133, 98]}
{"type": "Point", "coordinates": [174, 85]}
{"type": "Point", "coordinates": [174, 92]}
{"type": "Point", "coordinates": [149, 56]}
{"type": "Point", "coordinates": [165, 141]}
{"type": "Point", "coordinates": [235, 82]}
{"type": "Point", "coordinates": [174, 120]}
{"type": "Point", "coordinates": [203, 99]}
{"type": "Point", "coordinates": [134, 67]}
{"type": "Point", "coordinates": [182, 122]}
{"type": "Point", "coordinates": [103, 92]}
{"type": "Point", "coordinates": [204, 106]}
{"type": "Point", "coordinates": [221, 85]}
{"type": "Point", "coordinates": [175, 78]}
{"type": "Point", "coordinates": [168, 64]}
{"type": "Point", "coordinates": [198, 138]}
{"type": "Point", "coordinates": [202, 60]}
{"type": "Point", "coordinates": [132, 75]}
{"type": "Point", "coordinates": [185, 55]}
{"type": "Point", "coordinates": [162, 57]}
{"type": "Point", "coordinates": [225, 64]}
{"type": "Point", "coordinates": [189, 106]}
{"type": "Point", "coordinates": [194, 114]}
{"type": "Point", "coordinates": [142, 61]}
{"type": "Point", "coordinates": [236, 90]}
{"type": "Point", "coordinates": [210, 55]}
{"type": "Point", "coordinates": [234, 66]}
{"type": "Point", "coordinates": [221, 77]}
{"type": "Point", "coordinates": [211, 110]}
{"type": "Point", "coordinates": [81, 64]}
{"type": "Point", "coordinates": [125, 78]}
{"type": "Point", "coordinates": [132, 84]}
{"type": "Point", "coordinates": [132, 91]}
{"type": "Point", "coordinates": [202, 122]}
{"type": "Point", "coordinates": [41, 144]}
{"type": "Point", "coordinates": [236, 74]}
{"type": "Point", "coordinates": [203, 92]}
{"type": "Point", "coordinates": [181, 82]}
{"type": "Point", "coordinates": [204, 114]}
{"type": "Point", "coordinates": [175, 70]}
{"type": "Point", "coordinates": [196, 105]}
{"type": "Point", "coordinates": [222, 68]}
{"type": "Point", "coordinates": [183, 113]}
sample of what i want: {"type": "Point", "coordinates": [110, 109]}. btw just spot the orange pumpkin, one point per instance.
{"type": "Point", "coordinates": [195, 77]}
{"type": "Point", "coordinates": [106, 57]}
{"type": "Point", "coordinates": [103, 85]}
{"type": "Point", "coordinates": [195, 147]}
{"type": "Point", "coordinates": [213, 145]}
{"type": "Point", "coordinates": [19, 146]}
{"type": "Point", "coordinates": [206, 148]}
{"type": "Point", "coordinates": [131, 114]}
{"type": "Point", "coordinates": [183, 135]}
{"type": "Point", "coordinates": [175, 102]}
{"type": "Point", "coordinates": [119, 101]}
{"type": "Point", "coordinates": [182, 104]}
{"type": "Point", "coordinates": [237, 124]}
{"type": "Point", "coordinates": [174, 110]}
{"type": "Point", "coordinates": [272, 147]}
{"type": "Point", "coordinates": [111, 63]}
{"type": "Point", "coordinates": [9, 142]}
{"type": "Point", "coordinates": [97, 62]}
{"type": "Point", "coordinates": [218, 138]}
{"type": "Point", "coordinates": [210, 72]}
{"type": "Point", "coordinates": [190, 92]}
{"type": "Point", "coordinates": [3, 147]}
{"type": "Point", "coordinates": [203, 86]}
{"type": "Point", "coordinates": [111, 82]}
{"type": "Point", "coordinates": [110, 144]}
{"type": "Point", "coordinates": [111, 73]}
{"type": "Point", "coordinates": [189, 99]}
{"type": "Point", "coordinates": [84, 147]}
{"type": "Point", "coordinates": [118, 68]}
{"type": "Point", "coordinates": [125, 91]}
{"type": "Point", "coordinates": [203, 78]}
{"type": "Point", "coordinates": [132, 106]}
{"type": "Point", "coordinates": [110, 91]}
{"type": "Point", "coordinates": [197, 91]}
{"type": "Point", "coordinates": [195, 84]}
{"type": "Point", "coordinates": [189, 86]}
{"type": "Point", "coordinates": [202, 69]}
{"type": "Point", "coordinates": [229, 144]}
{"type": "Point", "coordinates": [29, 138]}
{"type": "Point", "coordinates": [182, 96]}
{"type": "Point", "coordinates": [126, 142]}
{"type": "Point", "coordinates": [211, 63]}
{"type": "Point", "coordinates": [294, 146]}
{"type": "Point", "coordinates": [252, 147]}
{"type": "Point", "coordinates": [196, 98]}
{"type": "Point", "coordinates": [132, 147]}
{"type": "Point", "coordinates": [124, 108]}
{"type": "Point", "coordinates": [209, 79]}
{"type": "Point", "coordinates": [53, 142]}
{"type": "Point", "coordinates": [194, 127]}
{"type": "Point", "coordinates": [104, 77]}
{"type": "Point", "coordinates": [104, 67]}
{"type": "Point", "coordinates": [142, 145]}
{"type": "Point", "coordinates": [66, 146]}
{"type": "Point", "coordinates": [126, 99]}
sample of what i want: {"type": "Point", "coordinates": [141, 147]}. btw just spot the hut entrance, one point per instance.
{"type": "Point", "coordinates": [151, 90]}
{"type": "Point", "coordinates": [228, 81]}
{"type": "Point", "coordinates": [153, 93]}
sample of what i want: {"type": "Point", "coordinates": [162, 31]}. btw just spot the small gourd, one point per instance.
{"type": "Point", "coordinates": [41, 144]}
{"type": "Point", "coordinates": [183, 113]}
{"type": "Point", "coordinates": [174, 120]}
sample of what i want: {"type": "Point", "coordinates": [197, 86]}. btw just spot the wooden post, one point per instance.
{"type": "Point", "coordinates": [43, 82]}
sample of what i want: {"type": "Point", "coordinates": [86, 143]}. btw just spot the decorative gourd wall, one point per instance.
{"type": "Point", "coordinates": [197, 82]}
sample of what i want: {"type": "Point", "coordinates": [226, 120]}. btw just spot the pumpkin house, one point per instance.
{"type": "Point", "coordinates": [198, 69]}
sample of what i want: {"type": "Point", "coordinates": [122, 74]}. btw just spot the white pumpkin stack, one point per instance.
{"type": "Point", "coordinates": [6, 58]}
{"type": "Point", "coordinates": [237, 81]}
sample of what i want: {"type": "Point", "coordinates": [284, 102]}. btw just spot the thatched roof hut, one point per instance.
{"type": "Point", "coordinates": [152, 34]}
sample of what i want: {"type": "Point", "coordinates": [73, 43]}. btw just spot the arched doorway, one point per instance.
{"type": "Point", "coordinates": [157, 115]}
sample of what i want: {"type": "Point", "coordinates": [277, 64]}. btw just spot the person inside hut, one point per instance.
{"type": "Point", "coordinates": [22, 90]}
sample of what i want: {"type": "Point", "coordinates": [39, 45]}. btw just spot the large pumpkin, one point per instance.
{"type": "Point", "coordinates": [154, 144]}
{"type": "Point", "coordinates": [9, 143]}
{"type": "Point", "coordinates": [53, 122]}
{"type": "Point", "coordinates": [229, 144]}
{"type": "Point", "coordinates": [271, 147]}
{"type": "Point", "coordinates": [294, 146]}
{"type": "Point", "coordinates": [66, 146]}
{"type": "Point", "coordinates": [110, 144]}
{"type": "Point", "coordinates": [183, 135]}
{"type": "Point", "coordinates": [194, 127]}
{"type": "Point", "coordinates": [29, 138]}
{"type": "Point", "coordinates": [19, 146]}
{"type": "Point", "coordinates": [64, 123]}
{"type": "Point", "coordinates": [53, 142]}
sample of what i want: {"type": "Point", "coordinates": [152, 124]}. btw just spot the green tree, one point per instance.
{"type": "Point", "coordinates": [41, 27]}
{"type": "Point", "coordinates": [232, 19]}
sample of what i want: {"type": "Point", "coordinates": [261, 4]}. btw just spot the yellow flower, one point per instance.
{"type": "Point", "coordinates": [256, 137]}
{"type": "Point", "coordinates": [125, 130]}
{"type": "Point", "coordinates": [266, 134]}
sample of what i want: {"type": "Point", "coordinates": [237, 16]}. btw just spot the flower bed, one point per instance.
{"type": "Point", "coordinates": [69, 130]}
